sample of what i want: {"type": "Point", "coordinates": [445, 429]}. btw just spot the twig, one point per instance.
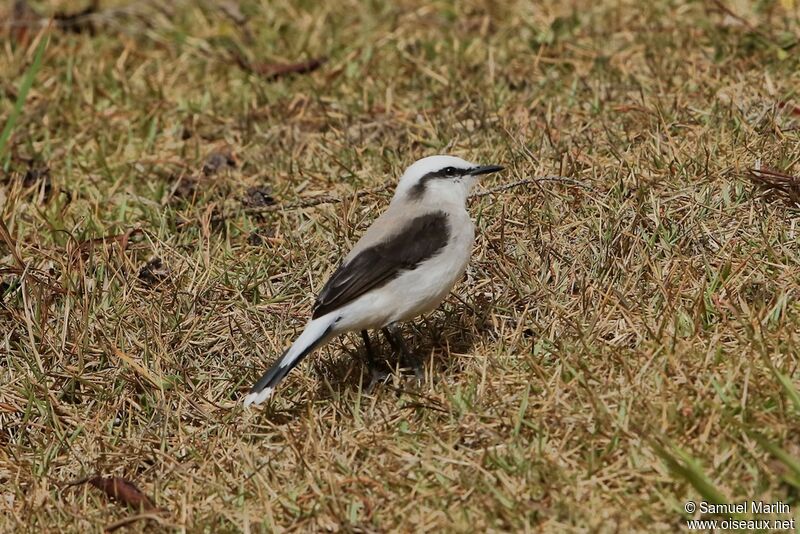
{"type": "Point", "coordinates": [529, 181]}
{"type": "Point", "coordinates": [23, 269]}
{"type": "Point", "coordinates": [11, 243]}
{"type": "Point", "coordinates": [329, 199]}
{"type": "Point", "coordinates": [777, 183]}
{"type": "Point", "coordinates": [728, 11]}
{"type": "Point", "coordinates": [273, 71]}
{"type": "Point", "coordinates": [750, 27]}
{"type": "Point", "coordinates": [132, 519]}
{"type": "Point", "coordinates": [314, 201]}
{"type": "Point", "coordinates": [87, 16]}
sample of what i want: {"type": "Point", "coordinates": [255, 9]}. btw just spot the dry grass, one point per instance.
{"type": "Point", "coordinates": [614, 350]}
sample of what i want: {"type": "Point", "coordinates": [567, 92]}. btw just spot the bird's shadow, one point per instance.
{"type": "Point", "coordinates": [436, 341]}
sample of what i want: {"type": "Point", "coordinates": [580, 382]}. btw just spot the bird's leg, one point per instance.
{"type": "Point", "coordinates": [368, 347]}
{"type": "Point", "coordinates": [398, 344]}
{"type": "Point", "coordinates": [376, 375]}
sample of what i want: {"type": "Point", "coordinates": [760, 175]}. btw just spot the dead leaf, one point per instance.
{"type": "Point", "coordinates": [257, 197]}
{"type": "Point", "coordinates": [188, 186]}
{"type": "Point", "coordinates": [793, 108]}
{"type": "Point", "coordinates": [78, 22]}
{"type": "Point", "coordinates": [255, 239]}
{"type": "Point", "coordinates": [777, 185]}
{"type": "Point", "coordinates": [258, 238]}
{"type": "Point", "coordinates": [38, 180]}
{"type": "Point", "coordinates": [218, 161]}
{"type": "Point", "coordinates": [121, 490]}
{"type": "Point", "coordinates": [5, 287]}
{"type": "Point", "coordinates": [185, 187]}
{"type": "Point", "coordinates": [34, 176]}
{"type": "Point", "coordinates": [153, 272]}
{"type": "Point", "coordinates": [122, 239]}
{"type": "Point", "coordinates": [273, 71]}
{"type": "Point", "coordinates": [528, 333]}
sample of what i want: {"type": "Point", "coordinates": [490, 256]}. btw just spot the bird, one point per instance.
{"type": "Point", "coordinates": [403, 266]}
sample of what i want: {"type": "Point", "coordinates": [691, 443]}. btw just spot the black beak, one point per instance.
{"type": "Point", "coordinates": [485, 169]}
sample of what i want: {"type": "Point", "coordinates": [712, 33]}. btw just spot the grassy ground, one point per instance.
{"type": "Point", "coordinates": [617, 347]}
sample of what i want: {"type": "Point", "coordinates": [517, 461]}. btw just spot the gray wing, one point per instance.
{"type": "Point", "coordinates": [418, 240]}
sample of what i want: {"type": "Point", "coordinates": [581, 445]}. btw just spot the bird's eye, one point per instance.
{"type": "Point", "coordinates": [450, 171]}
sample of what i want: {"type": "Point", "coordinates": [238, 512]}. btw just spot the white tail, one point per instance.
{"type": "Point", "coordinates": [315, 334]}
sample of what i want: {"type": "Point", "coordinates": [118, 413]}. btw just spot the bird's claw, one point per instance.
{"type": "Point", "coordinates": [376, 377]}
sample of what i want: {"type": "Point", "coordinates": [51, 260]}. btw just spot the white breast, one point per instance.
{"type": "Point", "coordinates": [420, 290]}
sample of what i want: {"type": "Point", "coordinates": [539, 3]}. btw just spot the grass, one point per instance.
{"type": "Point", "coordinates": [616, 348]}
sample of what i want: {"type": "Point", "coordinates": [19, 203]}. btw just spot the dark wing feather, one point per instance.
{"type": "Point", "coordinates": [420, 239]}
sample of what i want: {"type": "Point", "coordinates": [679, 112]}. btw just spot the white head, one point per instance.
{"type": "Point", "coordinates": [440, 179]}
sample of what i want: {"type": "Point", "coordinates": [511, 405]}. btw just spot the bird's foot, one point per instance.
{"type": "Point", "coordinates": [414, 363]}
{"type": "Point", "coordinates": [376, 377]}
{"type": "Point", "coordinates": [419, 373]}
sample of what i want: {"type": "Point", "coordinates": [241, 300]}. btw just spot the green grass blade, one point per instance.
{"type": "Point", "coordinates": [684, 466]}
{"type": "Point", "coordinates": [24, 88]}
{"type": "Point", "coordinates": [791, 391]}
{"type": "Point", "coordinates": [791, 463]}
